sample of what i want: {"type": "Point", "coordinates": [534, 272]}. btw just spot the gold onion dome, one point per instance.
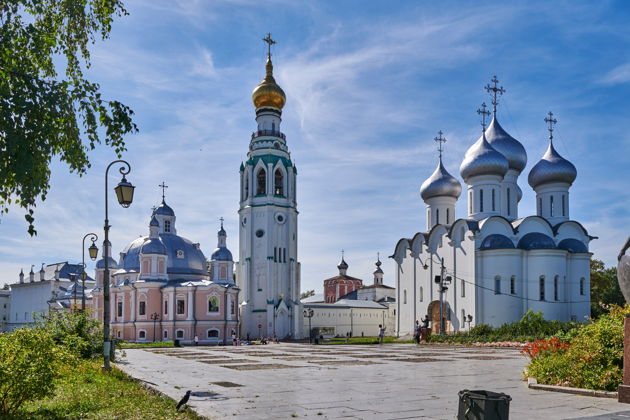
{"type": "Point", "coordinates": [268, 93]}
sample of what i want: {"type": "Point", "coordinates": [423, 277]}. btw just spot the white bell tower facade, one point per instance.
{"type": "Point", "coordinates": [268, 271]}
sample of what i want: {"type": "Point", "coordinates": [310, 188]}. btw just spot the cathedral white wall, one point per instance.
{"type": "Point", "coordinates": [339, 321]}
{"type": "Point", "coordinates": [405, 299]}
{"type": "Point", "coordinates": [498, 305]}
{"type": "Point", "coordinates": [510, 200]}
{"type": "Point", "coordinates": [552, 202]}
{"type": "Point", "coordinates": [29, 298]}
{"type": "Point", "coordinates": [479, 209]}
{"type": "Point", "coordinates": [440, 210]}
{"type": "Point", "coordinates": [579, 267]}
{"type": "Point", "coordinates": [548, 263]}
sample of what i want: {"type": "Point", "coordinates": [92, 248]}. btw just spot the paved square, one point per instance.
{"type": "Point", "coordinates": [395, 381]}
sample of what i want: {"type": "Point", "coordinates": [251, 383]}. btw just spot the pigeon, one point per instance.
{"type": "Point", "coordinates": [183, 401]}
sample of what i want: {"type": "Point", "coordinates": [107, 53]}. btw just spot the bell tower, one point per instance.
{"type": "Point", "coordinates": [268, 271]}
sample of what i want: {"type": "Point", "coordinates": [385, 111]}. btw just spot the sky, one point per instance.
{"type": "Point", "coordinates": [368, 86]}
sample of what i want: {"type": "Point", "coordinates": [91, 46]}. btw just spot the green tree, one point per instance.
{"type": "Point", "coordinates": [47, 107]}
{"type": "Point", "coordinates": [306, 294]}
{"type": "Point", "coordinates": [30, 363]}
{"type": "Point", "coordinates": [604, 288]}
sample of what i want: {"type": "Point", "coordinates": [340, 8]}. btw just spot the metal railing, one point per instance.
{"type": "Point", "coordinates": [274, 133]}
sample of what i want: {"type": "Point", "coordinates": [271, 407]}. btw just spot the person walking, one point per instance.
{"type": "Point", "coordinates": [424, 330]}
{"type": "Point", "coordinates": [416, 332]}
{"type": "Point", "coordinates": [233, 338]}
{"type": "Point", "coordinates": [381, 333]}
{"type": "Point", "coordinates": [196, 340]}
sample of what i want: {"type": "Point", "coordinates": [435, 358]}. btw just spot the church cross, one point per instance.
{"type": "Point", "coordinates": [495, 91]}
{"type": "Point", "coordinates": [342, 255]}
{"type": "Point", "coordinates": [221, 219]}
{"type": "Point", "coordinates": [549, 119]}
{"type": "Point", "coordinates": [484, 113]}
{"type": "Point", "coordinates": [269, 42]}
{"type": "Point", "coordinates": [164, 187]}
{"type": "Point", "coordinates": [440, 140]}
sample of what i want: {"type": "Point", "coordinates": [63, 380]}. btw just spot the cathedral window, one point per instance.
{"type": "Point", "coordinates": [497, 285]}
{"type": "Point", "coordinates": [470, 202]}
{"type": "Point", "coordinates": [555, 287]}
{"type": "Point", "coordinates": [508, 202]}
{"type": "Point", "coordinates": [421, 294]}
{"type": "Point", "coordinates": [179, 334]}
{"type": "Point", "coordinates": [493, 200]}
{"type": "Point", "coordinates": [161, 269]}
{"type": "Point", "coordinates": [232, 307]}
{"type": "Point", "coordinates": [213, 333]}
{"type": "Point", "coordinates": [142, 334]}
{"type": "Point", "coordinates": [551, 206]}
{"type": "Point", "coordinates": [278, 183]}
{"type": "Point", "coordinates": [213, 304]}
{"type": "Point", "coordinates": [222, 272]}
{"type": "Point", "coordinates": [261, 178]}
{"type": "Point", "coordinates": [437, 216]}
{"type": "Point", "coordinates": [246, 186]}
{"type": "Point", "coordinates": [145, 266]}
{"type": "Point", "coordinates": [166, 307]}
{"type": "Point", "coordinates": [142, 308]}
{"type": "Point", "coordinates": [463, 287]}
{"type": "Point", "coordinates": [180, 306]}
{"type": "Point", "coordinates": [564, 206]}
{"type": "Point", "coordinates": [541, 286]}
{"type": "Point", "coordinates": [513, 285]}
{"type": "Point", "coordinates": [120, 309]}
{"type": "Point", "coordinates": [165, 334]}
{"type": "Point", "coordinates": [448, 216]}
{"type": "Point", "coordinates": [582, 286]}
{"type": "Point", "coordinates": [405, 297]}
{"type": "Point", "coordinates": [275, 254]}
{"type": "Point", "coordinates": [481, 201]}
{"type": "Point", "coordinates": [167, 226]}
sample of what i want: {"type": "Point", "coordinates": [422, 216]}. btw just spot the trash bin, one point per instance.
{"type": "Point", "coordinates": [176, 343]}
{"type": "Point", "coordinates": [483, 405]}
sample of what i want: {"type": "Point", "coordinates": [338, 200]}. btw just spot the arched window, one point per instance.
{"type": "Point", "coordinates": [509, 205]}
{"type": "Point", "coordinates": [447, 216]}
{"type": "Point", "coordinates": [582, 286]}
{"type": "Point", "coordinates": [551, 206]}
{"type": "Point", "coordinates": [493, 200]}
{"type": "Point", "coordinates": [246, 195]}
{"type": "Point", "coordinates": [428, 216]}
{"type": "Point", "coordinates": [405, 296]}
{"type": "Point", "coordinates": [142, 308]}
{"type": "Point", "coordinates": [165, 334]}
{"type": "Point", "coordinates": [555, 287]}
{"type": "Point", "coordinates": [541, 286]}
{"type": "Point", "coordinates": [470, 202]}
{"type": "Point", "coordinates": [213, 333]}
{"type": "Point", "coordinates": [481, 201]}
{"type": "Point", "coordinates": [213, 304]}
{"type": "Point", "coordinates": [278, 183]}
{"type": "Point", "coordinates": [179, 334]}
{"type": "Point", "coordinates": [167, 226]}
{"type": "Point", "coordinates": [142, 334]}
{"type": "Point", "coordinates": [497, 285]}
{"type": "Point", "coordinates": [261, 187]}
{"type": "Point", "coordinates": [564, 206]}
{"type": "Point", "coordinates": [437, 216]}
{"type": "Point", "coordinates": [421, 294]}
{"type": "Point", "coordinates": [513, 285]}
{"type": "Point", "coordinates": [232, 307]}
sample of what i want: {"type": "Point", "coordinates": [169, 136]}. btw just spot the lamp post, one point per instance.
{"type": "Point", "coordinates": [93, 252]}
{"type": "Point", "coordinates": [469, 319]}
{"type": "Point", "coordinates": [442, 288]}
{"type": "Point", "coordinates": [154, 317]}
{"type": "Point", "coordinates": [309, 314]}
{"type": "Point", "coordinates": [124, 194]}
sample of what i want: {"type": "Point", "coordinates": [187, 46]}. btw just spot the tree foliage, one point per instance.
{"type": "Point", "coordinates": [47, 106]}
{"type": "Point", "coordinates": [604, 288]}
{"type": "Point", "coordinates": [30, 364]}
{"type": "Point", "coordinates": [77, 331]}
{"type": "Point", "coordinates": [306, 294]}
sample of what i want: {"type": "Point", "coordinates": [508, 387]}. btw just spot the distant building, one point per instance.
{"type": "Point", "coordinates": [340, 285]}
{"type": "Point", "coordinates": [52, 289]}
{"type": "Point", "coordinates": [5, 307]}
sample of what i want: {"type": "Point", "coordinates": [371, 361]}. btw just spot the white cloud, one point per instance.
{"type": "Point", "coordinates": [618, 75]}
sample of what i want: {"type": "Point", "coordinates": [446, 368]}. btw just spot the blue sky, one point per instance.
{"type": "Point", "coordinates": [368, 86]}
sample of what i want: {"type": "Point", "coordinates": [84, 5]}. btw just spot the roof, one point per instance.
{"type": "Point", "coordinates": [343, 277]}
{"type": "Point", "coordinates": [375, 286]}
{"type": "Point", "coordinates": [317, 297]}
{"type": "Point", "coordinates": [347, 303]}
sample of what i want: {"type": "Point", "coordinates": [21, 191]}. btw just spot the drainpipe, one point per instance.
{"type": "Point", "coordinates": [225, 312]}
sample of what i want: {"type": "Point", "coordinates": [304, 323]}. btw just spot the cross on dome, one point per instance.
{"type": "Point", "coordinates": [440, 139]}
{"type": "Point", "coordinates": [495, 92]}
{"type": "Point", "coordinates": [484, 113]}
{"type": "Point", "coordinates": [221, 219]}
{"type": "Point", "coordinates": [549, 119]}
{"type": "Point", "coordinates": [269, 42]}
{"type": "Point", "coordinates": [164, 187]}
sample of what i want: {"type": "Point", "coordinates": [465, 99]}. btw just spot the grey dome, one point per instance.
{"type": "Point", "coordinates": [536, 240]}
{"type": "Point", "coordinates": [343, 265]}
{"type": "Point", "coordinates": [507, 145]}
{"type": "Point", "coordinates": [153, 246]}
{"type": "Point", "coordinates": [496, 241]}
{"type": "Point", "coordinates": [552, 168]}
{"type": "Point", "coordinates": [154, 221]}
{"type": "Point", "coordinates": [193, 262]}
{"type": "Point", "coordinates": [221, 254]}
{"type": "Point", "coordinates": [572, 245]}
{"type": "Point", "coordinates": [164, 209]}
{"type": "Point", "coordinates": [440, 184]}
{"type": "Point", "coordinates": [112, 263]}
{"type": "Point", "coordinates": [483, 159]}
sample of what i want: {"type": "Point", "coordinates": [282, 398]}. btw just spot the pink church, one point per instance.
{"type": "Point", "coordinates": [163, 288]}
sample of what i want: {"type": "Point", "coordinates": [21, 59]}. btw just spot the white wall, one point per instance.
{"type": "Point", "coordinates": [343, 319]}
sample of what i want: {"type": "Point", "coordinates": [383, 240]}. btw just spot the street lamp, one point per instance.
{"type": "Point", "coordinates": [154, 317]}
{"type": "Point", "coordinates": [124, 193]}
{"type": "Point", "coordinates": [442, 281]}
{"type": "Point", "coordinates": [309, 314]}
{"type": "Point", "coordinates": [93, 253]}
{"type": "Point", "coordinates": [469, 319]}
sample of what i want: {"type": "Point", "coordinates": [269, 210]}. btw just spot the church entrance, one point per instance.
{"type": "Point", "coordinates": [434, 316]}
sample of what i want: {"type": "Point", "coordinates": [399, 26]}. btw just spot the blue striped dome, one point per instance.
{"type": "Point", "coordinates": [190, 260]}
{"type": "Point", "coordinates": [572, 245]}
{"type": "Point", "coordinates": [496, 241]}
{"type": "Point", "coordinates": [536, 240]}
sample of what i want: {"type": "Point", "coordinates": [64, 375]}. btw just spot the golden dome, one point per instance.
{"type": "Point", "coordinates": [268, 93]}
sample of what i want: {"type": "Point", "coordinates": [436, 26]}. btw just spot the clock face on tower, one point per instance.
{"type": "Point", "coordinates": [260, 233]}
{"type": "Point", "coordinates": [280, 218]}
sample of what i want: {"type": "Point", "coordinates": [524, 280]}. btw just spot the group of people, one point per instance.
{"type": "Point", "coordinates": [421, 331]}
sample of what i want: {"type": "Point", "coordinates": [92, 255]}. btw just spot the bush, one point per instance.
{"type": "Point", "coordinates": [77, 331]}
{"type": "Point", "coordinates": [593, 357]}
{"type": "Point", "coordinates": [30, 363]}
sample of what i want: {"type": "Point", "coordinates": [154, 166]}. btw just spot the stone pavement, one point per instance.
{"type": "Point", "coordinates": [393, 381]}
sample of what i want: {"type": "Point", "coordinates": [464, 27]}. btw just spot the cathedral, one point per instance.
{"type": "Point", "coordinates": [493, 265]}
{"type": "Point", "coordinates": [268, 271]}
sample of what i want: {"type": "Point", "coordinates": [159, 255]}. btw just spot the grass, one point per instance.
{"type": "Point", "coordinates": [85, 392]}
{"type": "Point", "coordinates": [359, 340]}
{"type": "Point", "coordinates": [156, 344]}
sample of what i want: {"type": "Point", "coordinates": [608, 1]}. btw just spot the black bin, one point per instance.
{"type": "Point", "coordinates": [483, 405]}
{"type": "Point", "coordinates": [176, 343]}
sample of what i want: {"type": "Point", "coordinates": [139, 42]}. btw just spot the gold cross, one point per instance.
{"type": "Point", "coordinates": [269, 42]}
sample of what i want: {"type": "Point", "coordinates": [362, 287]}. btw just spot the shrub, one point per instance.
{"type": "Point", "coordinates": [77, 331]}
{"type": "Point", "coordinates": [30, 363]}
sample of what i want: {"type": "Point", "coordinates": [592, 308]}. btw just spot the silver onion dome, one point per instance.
{"type": "Point", "coordinates": [153, 246]}
{"type": "Point", "coordinates": [164, 209]}
{"type": "Point", "coordinates": [552, 168]}
{"type": "Point", "coordinates": [483, 159]}
{"type": "Point", "coordinates": [440, 184]}
{"type": "Point", "coordinates": [507, 145]}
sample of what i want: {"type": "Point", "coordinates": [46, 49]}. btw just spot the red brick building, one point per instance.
{"type": "Point", "coordinates": [341, 285]}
